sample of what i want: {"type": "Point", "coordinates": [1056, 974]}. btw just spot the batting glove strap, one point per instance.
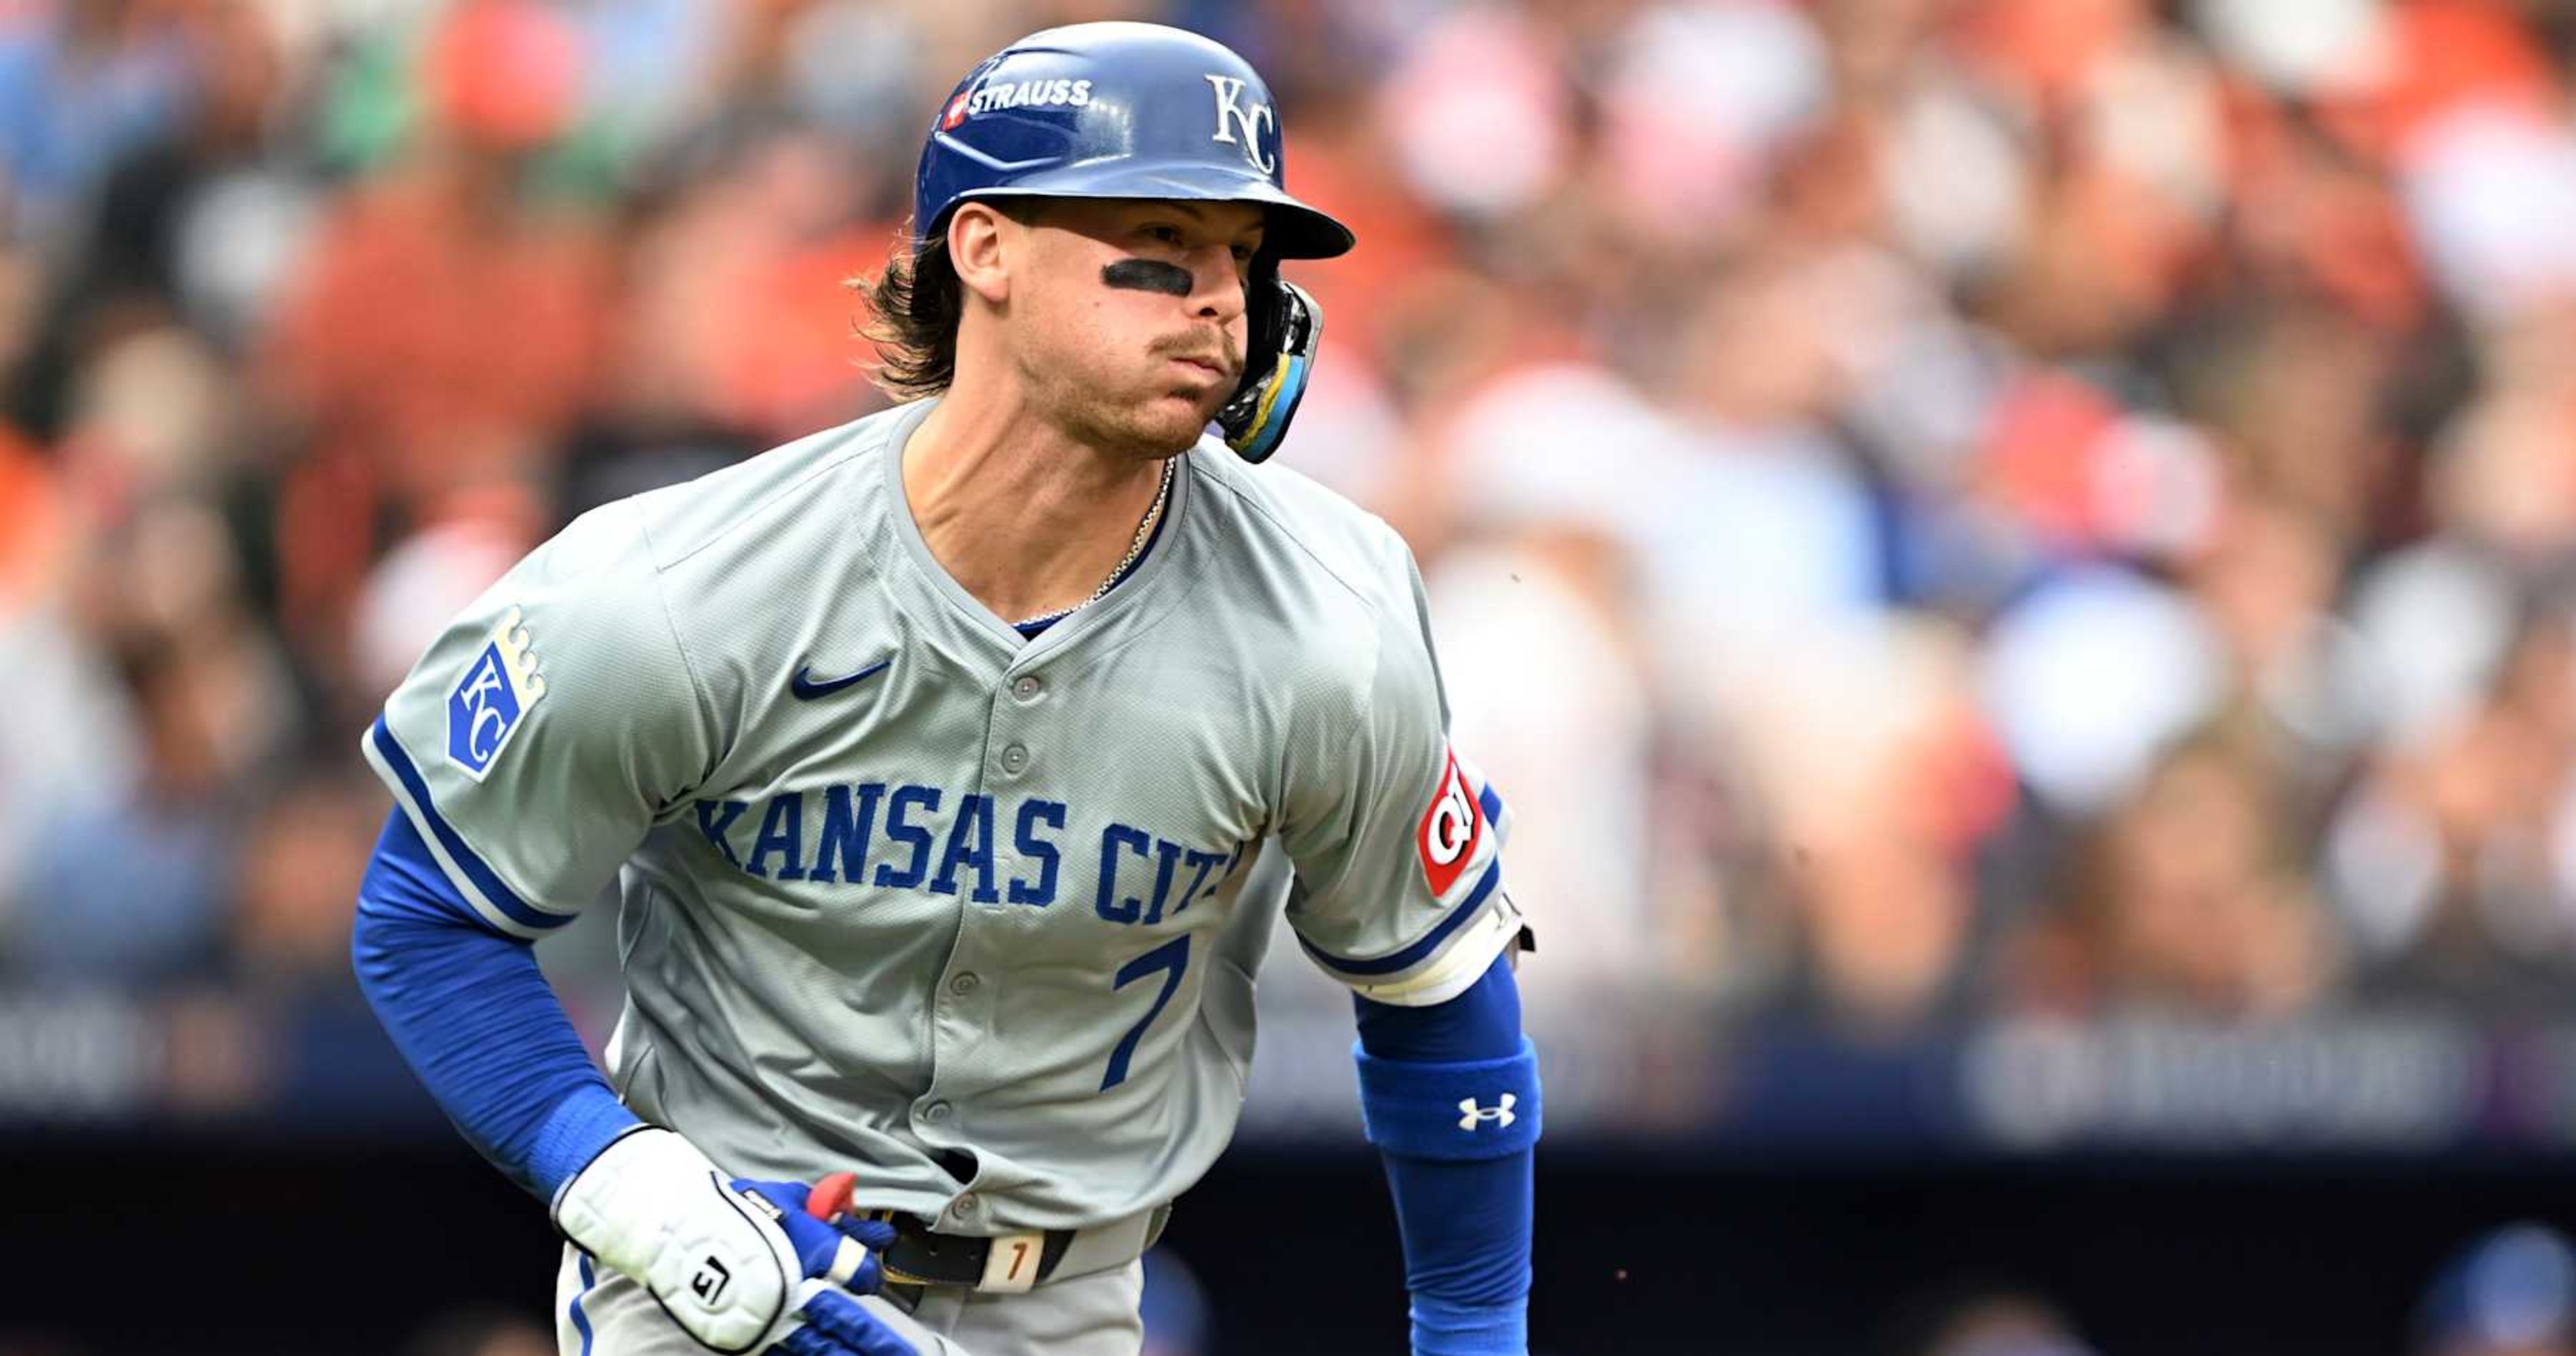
{"type": "Point", "coordinates": [843, 1251]}
{"type": "Point", "coordinates": [653, 1207]}
{"type": "Point", "coordinates": [1465, 1111]}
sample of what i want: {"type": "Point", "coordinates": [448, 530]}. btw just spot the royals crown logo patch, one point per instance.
{"type": "Point", "coordinates": [491, 701]}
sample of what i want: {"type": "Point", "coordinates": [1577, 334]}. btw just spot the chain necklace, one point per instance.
{"type": "Point", "coordinates": [1135, 548]}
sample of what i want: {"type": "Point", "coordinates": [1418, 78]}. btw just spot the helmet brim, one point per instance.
{"type": "Point", "coordinates": [1293, 230]}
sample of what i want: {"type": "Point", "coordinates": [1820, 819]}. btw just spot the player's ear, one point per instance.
{"type": "Point", "coordinates": [983, 243]}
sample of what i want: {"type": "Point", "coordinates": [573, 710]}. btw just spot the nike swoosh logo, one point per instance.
{"type": "Point", "coordinates": [807, 689]}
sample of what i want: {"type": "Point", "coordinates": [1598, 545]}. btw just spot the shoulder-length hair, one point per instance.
{"type": "Point", "coordinates": [915, 305]}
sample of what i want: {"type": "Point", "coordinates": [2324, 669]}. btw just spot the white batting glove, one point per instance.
{"type": "Point", "coordinates": [657, 1210]}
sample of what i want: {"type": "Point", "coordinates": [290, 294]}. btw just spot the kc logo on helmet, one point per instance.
{"type": "Point", "coordinates": [1233, 113]}
{"type": "Point", "coordinates": [1451, 829]}
{"type": "Point", "coordinates": [491, 701]}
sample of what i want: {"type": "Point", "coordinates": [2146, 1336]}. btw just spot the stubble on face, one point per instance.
{"type": "Point", "coordinates": [1103, 402]}
{"type": "Point", "coordinates": [1082, 358]}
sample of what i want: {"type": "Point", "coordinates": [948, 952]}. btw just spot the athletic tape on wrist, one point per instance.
{"type": "Point", "coordinates": [1464, 1111]}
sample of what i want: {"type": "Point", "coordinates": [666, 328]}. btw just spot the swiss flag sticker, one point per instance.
{"type": "Point", "coordinates": [1452, 829]}
{"type": "Point", "coordinates": [955, 113]}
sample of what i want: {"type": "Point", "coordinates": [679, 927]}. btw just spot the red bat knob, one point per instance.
{"type": "Point", "coordinates": [830, 1198]}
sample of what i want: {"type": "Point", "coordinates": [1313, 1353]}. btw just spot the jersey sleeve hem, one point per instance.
{"type": "Point", "coordinates": [1422, 947]}
{"type": "Point", "coordinates": [1444, 962]}
{"type": "Point", "coordinates": [499, 905]}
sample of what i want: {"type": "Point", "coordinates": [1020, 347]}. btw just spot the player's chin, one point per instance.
{"type": "Point", "coordinates": [1172, 421]}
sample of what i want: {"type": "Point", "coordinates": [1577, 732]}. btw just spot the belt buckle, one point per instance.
{"type": "Point", "coordinates": [1012, 1261]}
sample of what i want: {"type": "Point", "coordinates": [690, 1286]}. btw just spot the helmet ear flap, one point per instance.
{"type": "Point", "coordinates": [1264, 314]}
{"type": "Point", "coordinates": [1283, 326]}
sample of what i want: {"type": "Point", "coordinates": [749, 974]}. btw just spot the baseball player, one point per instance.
{"type": "Point", "coordinates": [931, 754]}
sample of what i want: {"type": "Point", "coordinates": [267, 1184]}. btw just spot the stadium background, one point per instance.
{"type": "Point", "coordinates": [2013, 556]}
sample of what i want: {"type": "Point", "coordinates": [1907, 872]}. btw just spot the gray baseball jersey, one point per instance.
{"type": "Point", "coordinates": [907, 893]}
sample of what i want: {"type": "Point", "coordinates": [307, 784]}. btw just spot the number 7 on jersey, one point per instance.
{"type": "Point", "coordinates": [1173, 958]}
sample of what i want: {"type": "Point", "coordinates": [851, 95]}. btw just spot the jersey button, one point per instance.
{"type": "Point", "coordinates": [1015, 757]}
{"type": "Point", "coordinates": [966, 1206]}
{"type": "Point", "coordinates": [937, 1113]}
{"type": "Point", "coordinates": [965, 983]}
{"type": "Point", "coordinates": [1027, 686]}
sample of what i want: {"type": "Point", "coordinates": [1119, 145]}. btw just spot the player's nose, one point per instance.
{"type": "Point", "coordinates": [1217, 284]}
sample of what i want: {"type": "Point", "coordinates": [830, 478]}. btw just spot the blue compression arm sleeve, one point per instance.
{"type": "Point", "coordinates": [470, 1010]}
{"type": "Point", "coordinates": [1463, 1202]}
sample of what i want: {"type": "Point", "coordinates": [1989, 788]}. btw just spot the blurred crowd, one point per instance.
{"type": "Point", "coordinates": [1931, 507]}
{"type": "Point", "coordinates": [2509, 1292]}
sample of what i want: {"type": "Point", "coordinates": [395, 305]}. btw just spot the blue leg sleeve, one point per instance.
{"type": "Point", "coordinates": [472, 1013]}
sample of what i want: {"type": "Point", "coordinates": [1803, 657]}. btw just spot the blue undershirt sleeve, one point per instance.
{"type": "Point", "coordinates": [471, 1012]}
{"type": "Point", "coordinates": [1482, 1023]}
{"type": "Point", "coordinates": [1464, 1205]}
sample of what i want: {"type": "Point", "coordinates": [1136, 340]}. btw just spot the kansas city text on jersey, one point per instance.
{"type": "Point", "coordinates": [913, 837]}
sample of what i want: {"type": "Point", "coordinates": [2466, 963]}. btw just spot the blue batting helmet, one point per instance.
{"type": "Point", "coordinates": [1116, 110]}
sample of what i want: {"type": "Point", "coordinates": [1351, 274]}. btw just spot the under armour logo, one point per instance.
{"type": "Point", "coordinates": [1471, 1115]}
{"type": "Point", "coordinates": [1232, 112]}
{"type": "Point", "coordinates": [710, 1282]}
